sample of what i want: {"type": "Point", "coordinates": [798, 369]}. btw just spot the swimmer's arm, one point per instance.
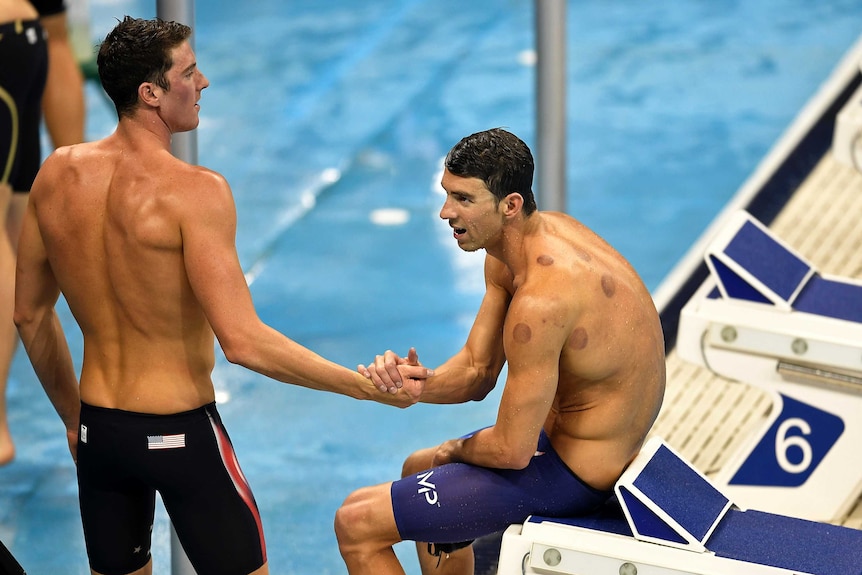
{"type": "Point", "coordinates": [208, 227]}
{"type": "Point", "coordinates": [472, 372]}
{"type": "Point", "coordinates": [534, 335]}
{"type": "Point", "coordinates": [36, 293]}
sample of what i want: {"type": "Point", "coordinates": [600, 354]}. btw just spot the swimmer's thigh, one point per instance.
{"type": "Point", "coordinates": [116, 513]}
{"type": "Point", "coordinates": [211, 504]}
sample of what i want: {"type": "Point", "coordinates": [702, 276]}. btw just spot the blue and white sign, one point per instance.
{"type": "Point", "coordinates": [792, 448]}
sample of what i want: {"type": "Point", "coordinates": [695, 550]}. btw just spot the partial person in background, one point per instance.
{"type": "Point", "coordinates": [586, 374]}
{"type": "Point", "coordinates": [23, 70]}
{"type": "Point", "coordinates": [63, 103]}
{"type": "Point", "coordinates": [142, 246]}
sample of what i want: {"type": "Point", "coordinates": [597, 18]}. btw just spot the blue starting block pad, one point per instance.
{"type": "Point", "coordinates": [749, 263]}
{"type": "Point", "coordinates": [668, 519]}
{"type": "Point", "coordinates": [768, 318]}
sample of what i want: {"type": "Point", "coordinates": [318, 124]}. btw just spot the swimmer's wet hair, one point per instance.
{"type": "Point", "coordinates": [134, 52]}
{"type": "Point", "coordinates": [498, 158]}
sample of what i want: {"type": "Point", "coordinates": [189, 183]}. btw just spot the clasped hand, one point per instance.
{"type": "Point", "coordinates": [391, 372]}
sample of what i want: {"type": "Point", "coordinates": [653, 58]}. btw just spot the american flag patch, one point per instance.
{"type": "Point", "coordinates": [166, 441]}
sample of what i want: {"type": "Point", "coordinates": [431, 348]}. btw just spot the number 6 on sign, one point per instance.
{"type": "Point", "coordinates": [792, 448]}
{"type": "Point", "coordinates": [783, 443]}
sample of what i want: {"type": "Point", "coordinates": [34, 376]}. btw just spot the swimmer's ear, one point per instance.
{"type": "Point", "coordinates": [513, 204]}
{"type": "Point", "coordinates": [149, 93]}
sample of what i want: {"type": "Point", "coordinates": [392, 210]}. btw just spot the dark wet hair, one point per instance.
{"type": "Point", "coordinates": [498, 158]}
{"type": "Point", "coordinates": [134, 52]}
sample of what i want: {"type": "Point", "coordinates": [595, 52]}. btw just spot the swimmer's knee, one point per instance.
{"type": "Point", "coordinates": [350, 516]}
{"type": "Point", "coordinates": [418, 461]}
{"type": "Point", "coordinates": [365, 519]}
{"type": "Point", "coordinates": [342, 524]}
{"type": "Point", "coordinates": [351, 531]}
{"type": "Point", "coordinates": [355, 498]}
{"type": "Point", "coordinates": [409, 466]}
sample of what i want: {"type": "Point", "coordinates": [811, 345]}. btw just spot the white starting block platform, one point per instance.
{"type": "Point", "coordinates": [768, 318]}
{"type": "Point", "coordinates": [668, 519]}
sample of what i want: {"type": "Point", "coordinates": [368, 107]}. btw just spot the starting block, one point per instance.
{"type": "Point", "coordinates": [668, 519]}
{"type": "Point", "coordinates": [766, 317]}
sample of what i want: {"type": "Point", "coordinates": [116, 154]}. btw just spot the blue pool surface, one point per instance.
{"type": "Point", "coordinates": [328, 116]}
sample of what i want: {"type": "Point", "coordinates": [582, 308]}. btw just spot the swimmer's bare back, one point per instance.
{"type": "Point", "coordinates": [612, 366]}
{"type": "Point", "coordinates": [148, 346]}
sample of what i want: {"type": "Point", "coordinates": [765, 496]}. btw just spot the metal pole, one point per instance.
{"type": "Point", "coordinates": [551, 104]}
{"type": "Point", "coordinates": [184, 146]}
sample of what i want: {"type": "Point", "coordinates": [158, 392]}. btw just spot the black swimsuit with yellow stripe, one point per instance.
{"type": "Point", "coordinates": [23, 71]}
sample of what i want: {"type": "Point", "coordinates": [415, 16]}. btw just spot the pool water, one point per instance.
{"type": "Point", "coordinates": [330, 118]}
